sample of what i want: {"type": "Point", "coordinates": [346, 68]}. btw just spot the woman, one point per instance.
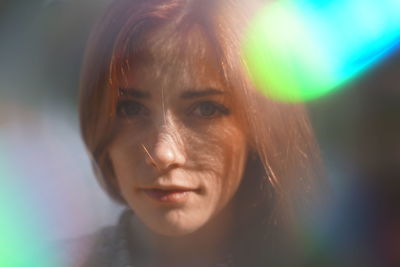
{"type": "Point", "coordinates": [179, 135]}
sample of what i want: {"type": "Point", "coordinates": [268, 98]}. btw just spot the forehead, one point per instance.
{"type": "Point", "coordinates": [172, 59]}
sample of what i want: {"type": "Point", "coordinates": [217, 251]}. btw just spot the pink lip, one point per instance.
{"type": "Point", "coordinates": [169, 195]}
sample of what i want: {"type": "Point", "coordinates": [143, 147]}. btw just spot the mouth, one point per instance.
{"type": "Point", "coordinates": [170, 194]}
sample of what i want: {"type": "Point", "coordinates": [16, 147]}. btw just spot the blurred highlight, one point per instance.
{"type": "Point", "coordinates": [21, 227]}
{"type": "Point", "coordinates": [299, 50]}
{"type": "Point", "coordinates": [49, 198]}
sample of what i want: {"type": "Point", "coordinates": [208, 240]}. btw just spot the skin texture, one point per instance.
{"type": "Point", "coordinates": [164, 49]}
{"type": "Point", "coordinates": [177, 128]}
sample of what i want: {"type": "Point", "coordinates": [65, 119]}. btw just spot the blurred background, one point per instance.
{"type": "Point", "coordinates": [43, 158]}
{"type": "Point", "coordinates": [46, 180]}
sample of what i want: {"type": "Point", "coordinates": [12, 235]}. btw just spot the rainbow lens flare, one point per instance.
{"type": "Point", "coordinates": [299, 50]}
{"type": "Point", "coordinates": [22, 240]}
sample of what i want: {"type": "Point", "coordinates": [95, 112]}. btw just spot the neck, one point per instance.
{"type": "Point", "coordinates": [204, 247]}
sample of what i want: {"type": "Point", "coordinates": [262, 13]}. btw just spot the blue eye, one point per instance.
{"type": "Point", "coordinates": [209, 109]}
{"type": "Point", "coordinates": [131, 108]}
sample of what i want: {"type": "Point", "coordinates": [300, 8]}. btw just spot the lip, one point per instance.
{"type": "Point", "coordinates": [169, 194]}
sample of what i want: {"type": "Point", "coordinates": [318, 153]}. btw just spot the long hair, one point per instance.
{"type": "Point", "coordinates": [284, 161]}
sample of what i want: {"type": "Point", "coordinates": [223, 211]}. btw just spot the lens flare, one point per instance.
{"type": "Point", "coordinates": [50, 203]}
{"type": "Point", "coordinates": [299, 50]}
{"type": "Point", "coordinates": [22, 239]}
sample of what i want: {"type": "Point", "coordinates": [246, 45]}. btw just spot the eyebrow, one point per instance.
{"type": "Point", "coordinates": [134, 93]}
{"type": "Point", "coordinates": [190, 94]}
{"type": "Point", "coordinates": [194, 94]}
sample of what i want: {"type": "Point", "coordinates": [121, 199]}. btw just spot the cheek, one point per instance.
{"type": "Point", "coordinates": [235, 158]}
{"type": "Point", "coordinates": [126, 159]}
{"type": "Point", "coordinates": [220, 151]}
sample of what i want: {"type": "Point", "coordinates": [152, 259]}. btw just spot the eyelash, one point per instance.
{"type": "Point", "coordinates": [217, 109]}
{"type": "Point", "coordinates": [128, 108]}
{"type": "Point", "coordinates": [138, 109]}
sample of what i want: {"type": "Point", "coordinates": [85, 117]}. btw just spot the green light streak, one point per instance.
{"type": "Point", "coordinates": [22, 243]}
{"type": "Point", "coordinates": [299, 50]}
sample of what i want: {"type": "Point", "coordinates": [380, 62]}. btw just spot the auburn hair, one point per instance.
{"type": "Point", "coordinates": [281, 139]}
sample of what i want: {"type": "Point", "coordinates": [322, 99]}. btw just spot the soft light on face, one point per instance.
{"type": "Point", "coordinates": [180, 149]}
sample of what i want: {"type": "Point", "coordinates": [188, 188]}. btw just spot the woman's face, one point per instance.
{"type": "Point", "coordinates": [180, 148]}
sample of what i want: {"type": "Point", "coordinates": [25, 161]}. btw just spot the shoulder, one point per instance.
{"type": "Point", "coordinates": [104, 248]}
{"type": "Point", "coordinates": [111, 245]}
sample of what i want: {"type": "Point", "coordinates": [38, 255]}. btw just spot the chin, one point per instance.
{"type": "Point", "coordinates": [176, 223]}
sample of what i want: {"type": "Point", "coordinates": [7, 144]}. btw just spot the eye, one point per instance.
{"type": "Point", "coordinates": [208, 109]}
{"type": "Point", "coordinates": [130, 109]}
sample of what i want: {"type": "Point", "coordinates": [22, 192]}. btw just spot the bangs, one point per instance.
{"type": "Point", "coordinates": [183, 42]}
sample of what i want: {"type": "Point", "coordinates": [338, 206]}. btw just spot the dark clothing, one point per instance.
{"type": "Point", "coordinates": [113, 247]}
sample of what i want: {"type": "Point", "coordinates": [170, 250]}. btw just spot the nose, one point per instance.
{"type": "Point", "coordinates": [167, 152]}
